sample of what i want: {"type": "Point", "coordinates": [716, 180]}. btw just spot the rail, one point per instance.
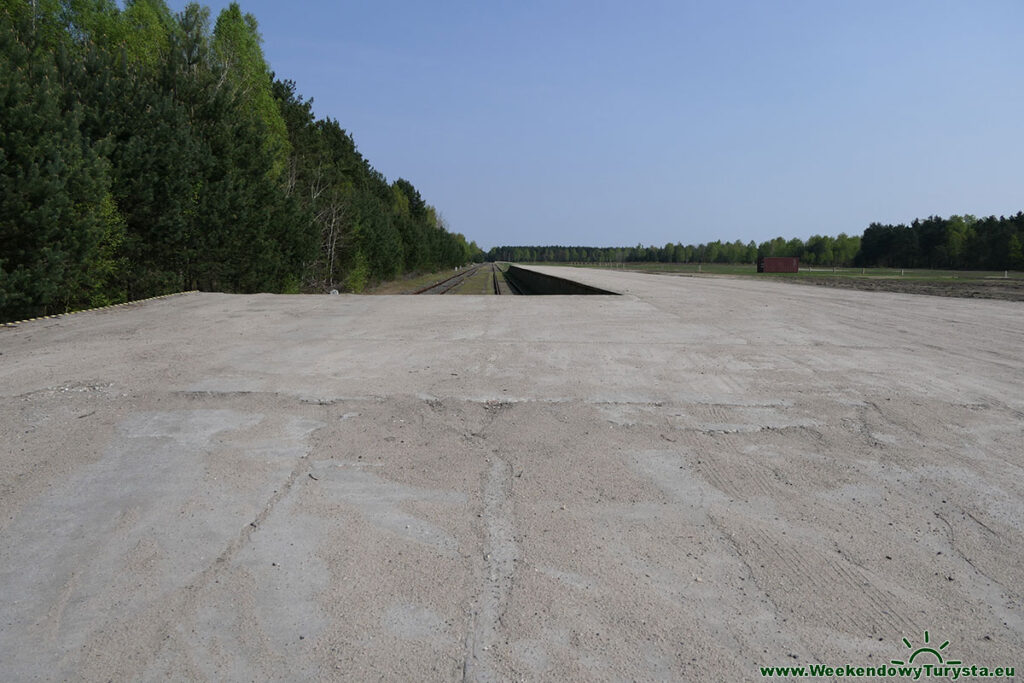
{"type": "Point", "coordinates": [450, 283]}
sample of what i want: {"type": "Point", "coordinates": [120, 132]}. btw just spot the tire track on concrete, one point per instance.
{"type": "Point", "coordinates": [500, 555]}
{"type": "Point", "coordinates": [804, 580]}
{"type": "Point", "coordinates": [736, 476]}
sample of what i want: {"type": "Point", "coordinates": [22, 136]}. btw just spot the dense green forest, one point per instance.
{"type": "Point", "coordinates": [144, 152]}
{"type": "Point", "coordinates": [957, 242]}
{"type": "Point", "coordinates": [960, 242]}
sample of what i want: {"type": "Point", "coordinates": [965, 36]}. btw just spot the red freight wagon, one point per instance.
{"type": "Point", "coordinates": [778, 264]}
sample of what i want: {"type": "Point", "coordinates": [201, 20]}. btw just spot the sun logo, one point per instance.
{"type": "Point", "coordinates": [924, 649]}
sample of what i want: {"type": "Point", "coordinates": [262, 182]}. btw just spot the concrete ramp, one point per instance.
{"type": "Point", "coordinates": [663, 485]}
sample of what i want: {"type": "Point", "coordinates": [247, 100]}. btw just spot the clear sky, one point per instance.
{"type": "Point", "coordinates": [599, 123]}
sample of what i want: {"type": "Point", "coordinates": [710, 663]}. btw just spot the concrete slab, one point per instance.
{"type": "Point", "coordinates": [693, 480]}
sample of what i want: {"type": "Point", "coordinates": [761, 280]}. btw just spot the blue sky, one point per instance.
{"type": "Point", "coordinates": [650, 122]}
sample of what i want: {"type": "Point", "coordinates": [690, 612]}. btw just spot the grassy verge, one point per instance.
{"type": "Point", "coordinates": [411, 283]}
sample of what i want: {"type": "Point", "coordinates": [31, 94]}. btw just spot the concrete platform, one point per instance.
{"type": "Point", "coordinates": [691, 481]}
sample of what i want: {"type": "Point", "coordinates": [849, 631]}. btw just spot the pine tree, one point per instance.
{"type": "Point", "coordinates": [238, 46]}
{"type": "Point", "coordinates": [59, 227]}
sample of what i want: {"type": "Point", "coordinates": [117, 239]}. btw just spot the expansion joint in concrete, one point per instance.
{"type": "Point", "coordinates": [500, 556]}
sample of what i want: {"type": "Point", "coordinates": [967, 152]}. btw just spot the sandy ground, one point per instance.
{"type": "Point", "coordinates": [690, 481]}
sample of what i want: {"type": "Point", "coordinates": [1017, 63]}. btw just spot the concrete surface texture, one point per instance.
{"type": "Point", "coordinates": [696, 479]}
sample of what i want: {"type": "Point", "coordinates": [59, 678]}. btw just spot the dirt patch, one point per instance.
{"type": "Point", "coordinates": [1006, 290]}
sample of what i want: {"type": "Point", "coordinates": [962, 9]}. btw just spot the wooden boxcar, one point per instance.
{"type": "Point", "coordinates": [778, 264]}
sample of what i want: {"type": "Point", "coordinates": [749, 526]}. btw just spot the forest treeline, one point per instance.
{"type": "Point", "coordinates": [957, 242]}
{"type": "Point", "coordinates": [818, 249]}
{"type": "Point", "coordinates": [144, 152]}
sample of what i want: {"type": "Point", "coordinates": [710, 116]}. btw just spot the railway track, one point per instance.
{"type": "Point", "coordinates": [498, 282]}
{"type": "Point", "coordinates": [502, 285]}
{"type": "Point", "coordinates": [445, 286]}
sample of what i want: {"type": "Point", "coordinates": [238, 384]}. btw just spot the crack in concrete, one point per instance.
{"type": "Point", "coordinates": [959, 551]}
{"type": "Point", "coordinates": [187, 598]}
